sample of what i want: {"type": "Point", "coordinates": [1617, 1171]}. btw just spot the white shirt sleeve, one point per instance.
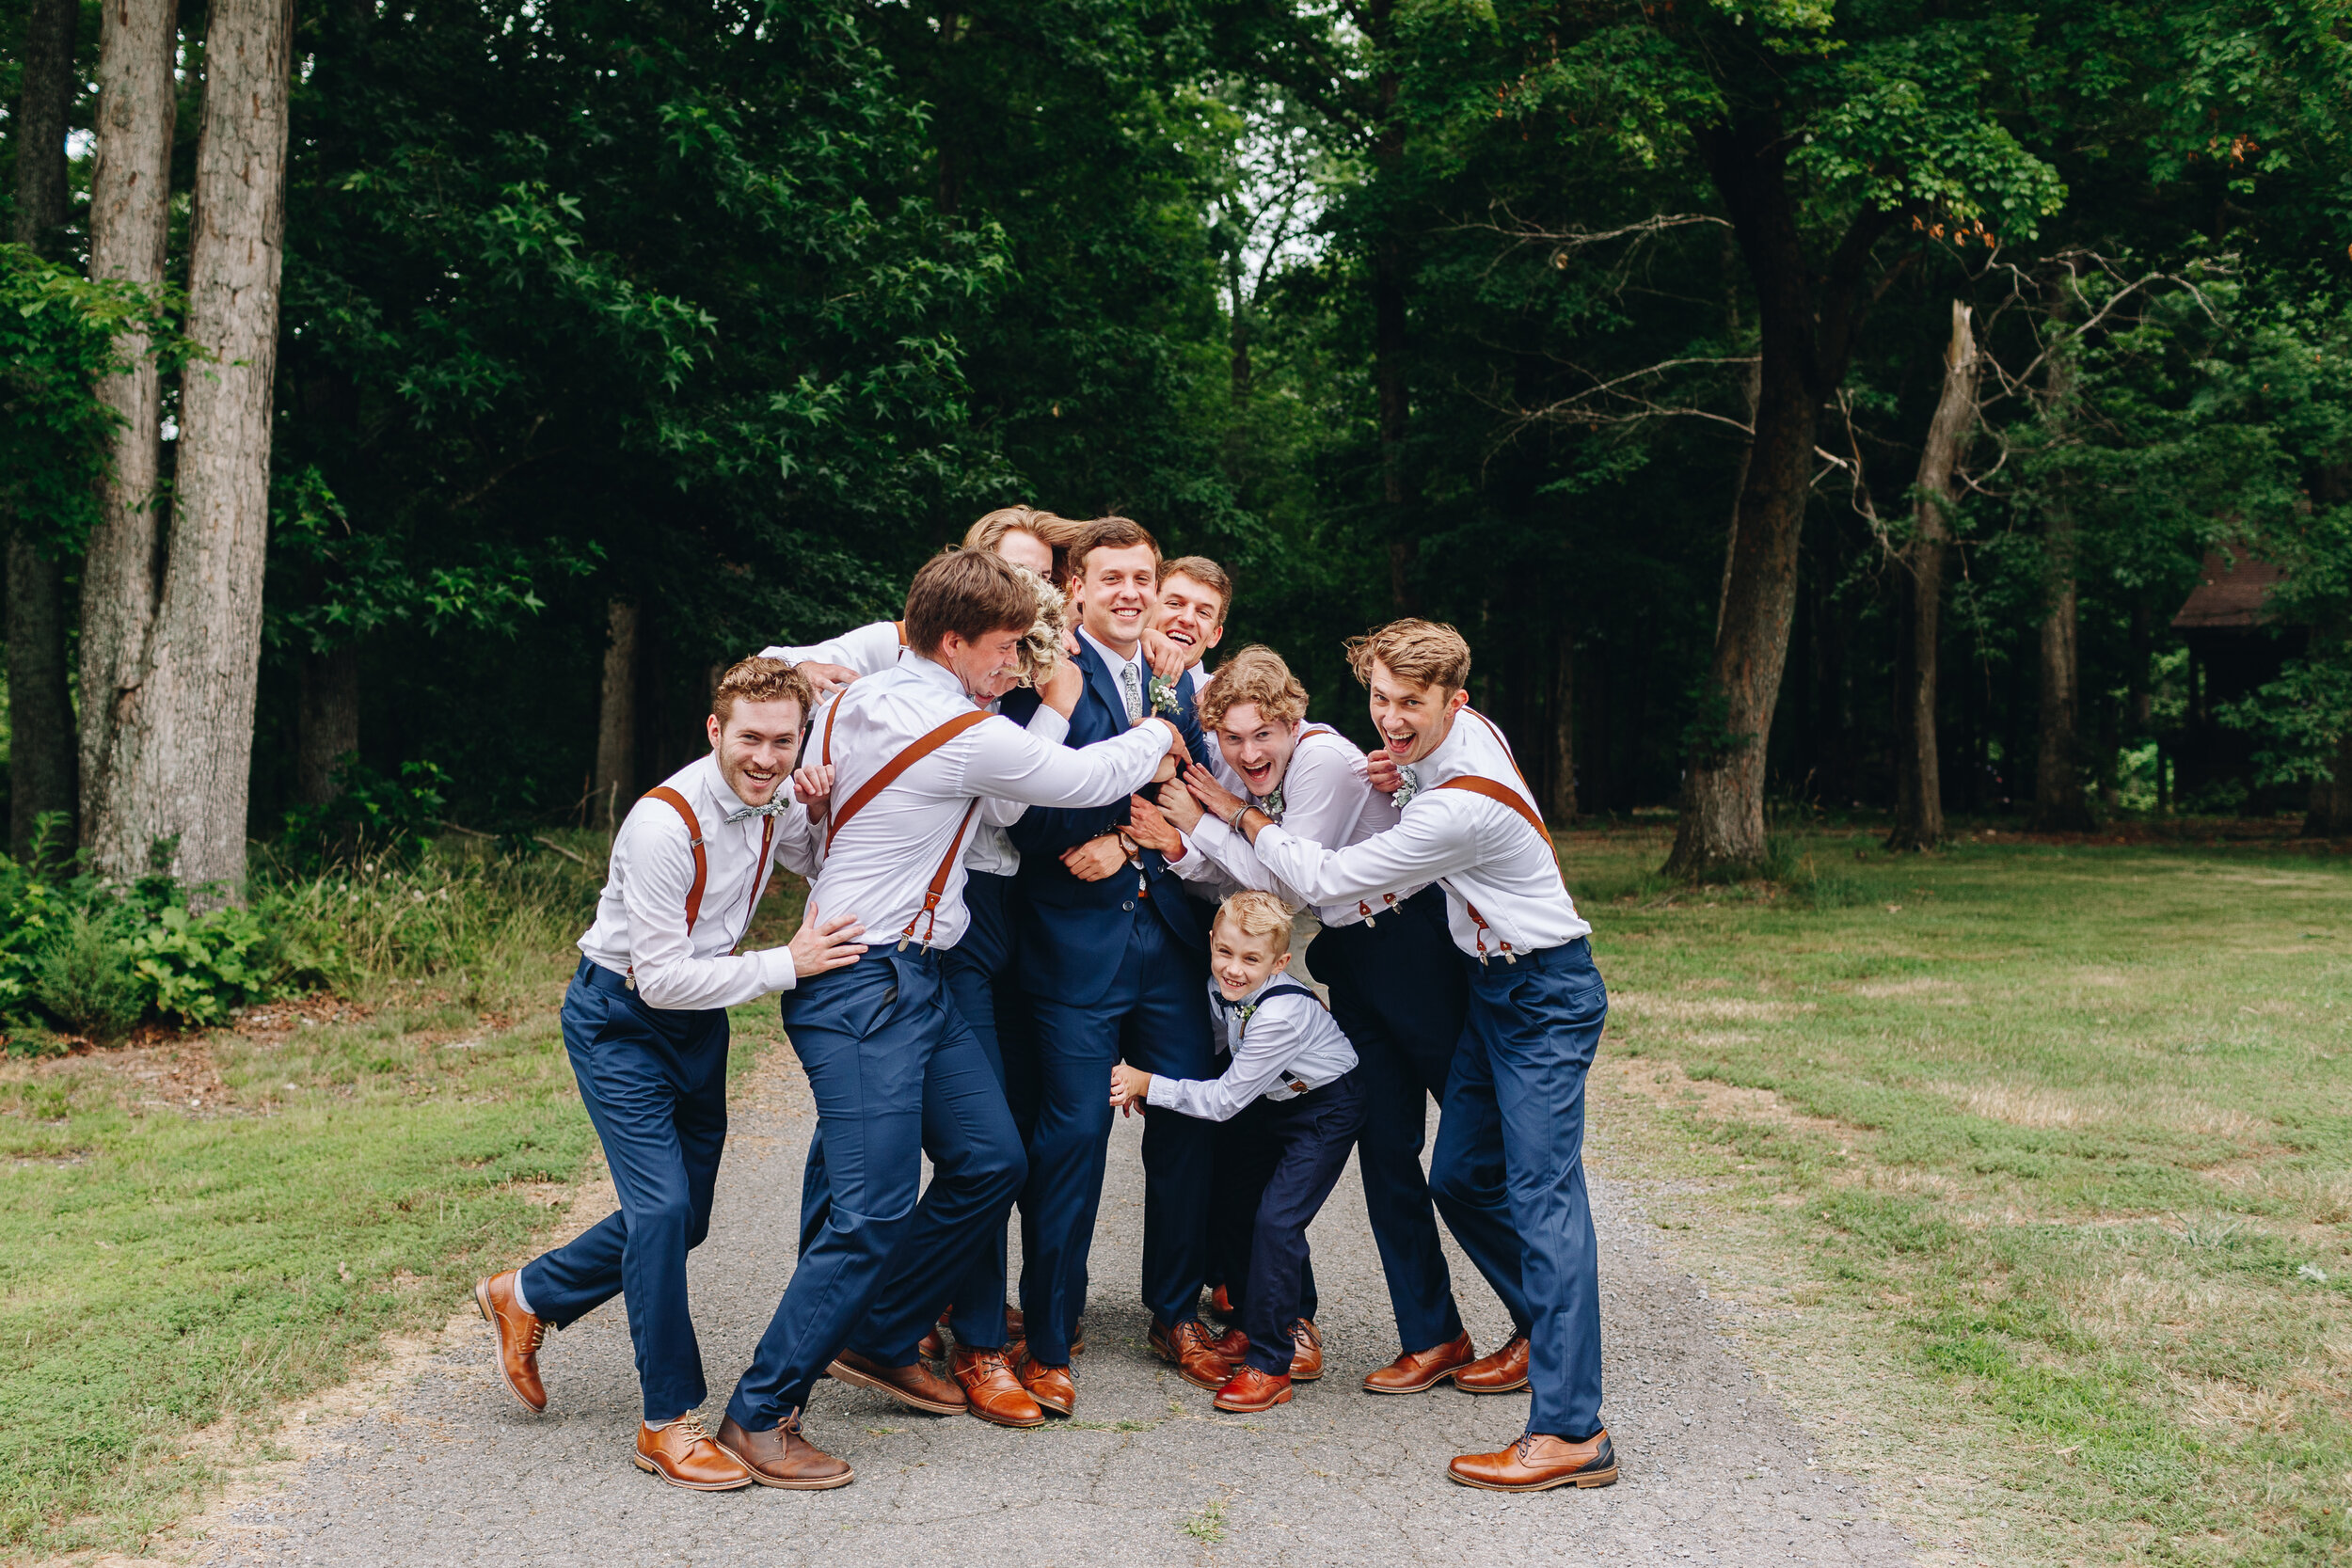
{"type": "Point", "coordinates": [1010, 763]}
{"type": "Point", "coordinates": [1268, 1043]}
{"type": "Point", "coordinates": [1439, 838]}
{"type": "Point", "coordinates": [661, 955]}
{"type": "Point", "coordinates": [868, 650]}
{"type": "Point", "coordinates": [800, 843]}
{"type": "Point", "coordinates": [1047, 725]}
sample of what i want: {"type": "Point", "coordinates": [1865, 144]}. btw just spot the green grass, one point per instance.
{"type": "Point", "coordinates": [164, 1266]}
{"type": "Point", "coordinates": [2057, 1142]}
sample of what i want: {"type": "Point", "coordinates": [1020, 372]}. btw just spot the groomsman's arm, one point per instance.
{"type": "Point", "coordinates": [866, 650]}
{"type": "Point", "coordinates": [1007, 762]}
{"type": "Point", "coordinates": [1046, 726]}
{"type": "Point", "coordinates": [1437, 839]}
{"type": "Point", "coordinates": [661, 868]}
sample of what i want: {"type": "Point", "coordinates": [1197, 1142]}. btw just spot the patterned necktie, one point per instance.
{"type": "Point", "coordinates": [1132, 686]}
{"type": "Point", "coordinates": [1410, 788]}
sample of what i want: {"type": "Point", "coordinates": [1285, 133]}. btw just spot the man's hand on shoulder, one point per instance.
{"type": "Point", "coordinates": [826, 677]}
{"type": "Point", "coordinates": [822, 944]}
{"type": "Point", "coordinates": [1166, 658]}
{"type": "Point", "coordinates": [813, 787]}
{"type": "Point", "coordinates": [1061, 693]}
{"type": "Point", "coordinates": [1178, 752]}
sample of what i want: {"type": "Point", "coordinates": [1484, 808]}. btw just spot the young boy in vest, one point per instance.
{"type": "Point", "coordinates": [645, 1023]}
{"type": "Point", "coordinates": [1291, 1078]}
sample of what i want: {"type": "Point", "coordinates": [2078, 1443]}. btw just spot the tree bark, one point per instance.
{"type": "Point", "coordinates": [1805, 341]}
{"type": "Point", "coordinates": [615, 787]}
{"type": "Point", "coordinates": [41, 708]}
{"type": "Point", "coordinates": [182, 751]}
{"type": "Point", "coordinates": [1563, 802]}
{"type": "Point", "coordinates": [2331, 812]}
{"type": "Point", "coordinates": [2060, 804]}
{"type": "Point", "coordinates": [130, 222]}
{"type": "Point", "coordinates": [327, 722]}
{"type": "Point", "coordinates": [1919, 817]}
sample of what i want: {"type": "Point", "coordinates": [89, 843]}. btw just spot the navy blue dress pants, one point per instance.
{"type": "Point", "coordinates": [1283, 1171]}
{"type": "Point", "coordinates": [895, 1076]}
{"type": "Point", "coordinates": [655, 1083]}
{"type": "Point", "coordinates": [1156, 1017]}
{"type": "Point", "coordinates": [1233, 1206]}
{"type": "Point", "coordinates": [1509, 1169]}
{"type": "Point", "coordinates": [1397, 990]}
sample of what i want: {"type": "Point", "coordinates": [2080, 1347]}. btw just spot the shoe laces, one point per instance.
{"type": "Point", "coordinates": [538, 1336]}
{"type": "Point", "coordinates": [691, 1429]}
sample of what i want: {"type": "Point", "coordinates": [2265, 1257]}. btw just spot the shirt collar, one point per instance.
{"type": "Point", "coordinates": [933, 673]}
{"type": "Point", "coordinates": [720, 796]}
{"type": "Point", "coordinates": [1456, 755]}
{"type": "Point", "coordinates": [1109, 658]}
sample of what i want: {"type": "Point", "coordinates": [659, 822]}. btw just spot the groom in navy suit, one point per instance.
{"type": "Point", "coordinates": [1114, 956]}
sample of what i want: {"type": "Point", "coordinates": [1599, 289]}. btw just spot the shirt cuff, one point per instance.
{"type": "Point", "coordinates": [1048, 725]}
{"type": "Point", "coordinates": [779, 972]}
{"type": "Point", "coordinates": [1161, 1092]}
{"type": "Point", "coordinates": [1212, 833]}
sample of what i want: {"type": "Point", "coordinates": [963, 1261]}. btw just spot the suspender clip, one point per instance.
{"type": "Point", "coordinates": [904, 940]}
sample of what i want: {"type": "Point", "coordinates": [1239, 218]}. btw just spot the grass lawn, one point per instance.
{"type": "Point", "coordinates": [2025, 1170]}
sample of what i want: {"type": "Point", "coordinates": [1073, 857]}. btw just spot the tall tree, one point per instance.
{"type": "Point", "coordinates": [182, 752]}
{"type": "Point", "coordinates": [129, 226]}
{"type": "Point", "coordinates": [1919, 791]}
{"type": "Point", "coordinates": [41, 710]}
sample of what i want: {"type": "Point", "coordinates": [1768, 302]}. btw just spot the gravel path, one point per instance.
{"type": "Point", "coordinates": [451, 1470]}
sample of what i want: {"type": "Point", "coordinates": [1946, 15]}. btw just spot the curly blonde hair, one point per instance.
{"type": "Point", "coordinates": [1428, 653]}
{"type": "Point", "coordinates": [1040, 651]}
{"type": "Point", "coordinates": [759, 679]}
{"type": "Point", "coordinates": [1255, 675]}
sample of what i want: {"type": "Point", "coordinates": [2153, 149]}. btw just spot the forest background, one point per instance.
{"type": "Point", "coordinates": [1797, 404]}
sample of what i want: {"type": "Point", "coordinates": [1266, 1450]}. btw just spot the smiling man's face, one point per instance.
{"type": "Point", "coordinates": [758, 746]}
{"type": "Point", "coordinates": [1413, 717]}
{"type": "Point", "coordinates": [1114, 595]}
{"type": "Point", "coordinates": [1191, 615]}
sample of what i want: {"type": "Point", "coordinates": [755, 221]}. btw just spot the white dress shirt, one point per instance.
{"type": "Point", "coordinates": [1483, 852]}
{"type": "Point", "coordinates": [880, 868]}
{"type": "Point", "coordinates": [869, 651]}
{"type": "Point", "coordinates": [1326, 800]}
{"type": "Point", "coordinates": [1281, 1049]}
{"type": "Point", "coordinates": [641, 915]}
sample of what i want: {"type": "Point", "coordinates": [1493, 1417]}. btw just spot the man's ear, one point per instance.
{"type": "Point", "coordinates": [1281, 963]}
{"type": "Point", "coordinates": [1217, 635]}
{"type": "Point", "coordinates": [714, 729]}
{"type": "Point", "coordinates": [1461, 700]}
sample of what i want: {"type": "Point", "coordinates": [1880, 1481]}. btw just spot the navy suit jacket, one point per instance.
{"type": "Point", "coordinates": [1074, 933]}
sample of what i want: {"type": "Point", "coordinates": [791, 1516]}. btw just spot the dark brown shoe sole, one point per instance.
{"type": "Point", "coordinates": [1303, 1377]}
{"type": "Point", "coordinates": [840, 1373]}
{"type": "Point", "coordinates": [1491, 1388]}
{"type": "Point", "coordinates": [980, 1415]}
{"type": "Point", "coordinates": [1422, 1388]}
{"type": "Point", "coordinates": [761, 1477]}
{"type": "Point", "coordinates": [1282, 1398]}
{"type": "Point", "coordinates": [482, 1303]}
{"type": "Point", "coordinates": [668, 1480]}
{"type": "Point", "coordinates": [1211, 1384]}
{"type": "Point", "coordinates": [1579, 1479]}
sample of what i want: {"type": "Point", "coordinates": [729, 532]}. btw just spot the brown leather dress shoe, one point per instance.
{"type": "Point", "coordinates": [1188, 1348]}
{"type": "Point", "coordinates": [520, 1335]}
{"type": "Point", "coordinates": [1249, 1391]}
{"type": "Point", "coordinates": [1503, 1373]}
{"type": "Point", "coordinates": [1050, 1386]}
{"type": "Point", "coordinates": [781, 1457]}
{"type": "Point", "coordinates": [1016, 1326]}
{"type": "Point", "coordinates": [1233, 1345]}
{"type": "Point", "coordinates": [992, 1392]}
{"type": "Point", "coordinates": [1537, 1464]}
{"type": "Point", "coordinates": [1307, 1365]}
{"type": "Point", "coordinates": [1221, 1305]}
{"type": "Point", "coordinates": [683, 1454]}
{"type": "Point", "coordinates": [933, 1345]}
{"type": "Point", "coordinates": [1017, 1336]}
{"type": "Point", "coordinates": [1417, 1370]}
{"type": "Point", "coordinates": [917, 1387]}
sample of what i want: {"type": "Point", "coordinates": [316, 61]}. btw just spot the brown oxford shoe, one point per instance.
{"type": "Point", "coordinates": [992, 1392]}
{"type": "Point", "coordinates": [520, 1335]}
{"type": "Point", "coordinates": [1249, 1391]}
{"type": "Point", "coordinates": [934, 1346]}
{"type": "Point", "coordinates": [1050, 1386]}
{"type": "Point", "coordinates": [1307, 1364]}
{"type": "Point", "coordinates": [1016, 1326]}
{"type": "Point", "coordinates": [683, 1454]}
{"type": "Point", "coordinates": [1221, 1305]}
{"type": "Point", "coordinates": [1233, 1345]}
{"type": "Point", "coordinates": [1418, 1370]}
{"type": "Point", "coordinates": [1188, 1348]}
{"type": "Point", "coordinates": [1503, 1373]}
{"type": "Point", "coordinates": [1535, 1464]}
{"type": "Point", "coordinates": [917, 1387]}
{"type": "Point", "coordinates": [781, 1457]}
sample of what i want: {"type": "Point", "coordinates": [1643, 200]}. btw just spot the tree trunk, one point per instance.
{"type": "Point", "coordinates": [1564, 804]}
{"type": "Point", "coordinates": [182, 752]}
{"type": "Point", "coordinates": [41, 710]}
{"type": "Point", "coordinates": [327, 724]}
{"type": "Point", "coordinates": [1919, 822]}
{"type": "Point", "coordinates": [130, 220]}
{"type": "Point", "coordinates": [615, 787]}
{"type": "Point", "coordinates": [1803, 341]}
{"type": "Point", "coordinates": [2060, 804]}
{"type": "Point", "coordinates": [2330, 813]}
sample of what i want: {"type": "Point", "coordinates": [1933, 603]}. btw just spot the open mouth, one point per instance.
{"type": "Point", "coordinates": [1254, 777]}
{"type": "Point", "coordinates": [1181, 639]}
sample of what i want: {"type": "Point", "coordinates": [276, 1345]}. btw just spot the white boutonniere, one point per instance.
{"type": "Point", "coordinates": [1163, 694]}
{"type": "Point", "coordinates": [1408, 789]}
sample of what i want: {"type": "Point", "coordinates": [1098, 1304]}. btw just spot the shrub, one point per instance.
{"type": "Point", "coordinates": [375, 817]}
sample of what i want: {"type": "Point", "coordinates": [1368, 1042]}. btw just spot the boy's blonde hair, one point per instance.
{"type": "Point", "coordinates": [1255, 675]}
{"type": "Point", "coordinates": [1258, 913]}
{"type": "Point", "coordinates": [1428, 653]}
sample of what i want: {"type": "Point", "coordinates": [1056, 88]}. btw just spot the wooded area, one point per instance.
{"type": "Point", "coordinates": [1799, 405]}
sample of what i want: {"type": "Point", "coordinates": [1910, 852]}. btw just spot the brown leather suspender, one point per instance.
{"type": "Point", "coordinates": [890, 770]}
{"type": "Point", "coordinates": [1502, 794]}
{"type": "Point", "coordinates": [694, 840]}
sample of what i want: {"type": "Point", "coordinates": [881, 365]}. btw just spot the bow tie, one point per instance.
{"type": "Point", "coordinates": [1245, 1006]}
{"type": "Point", "coordinates": [773, 808]}
{"type": "Point", "coordinates": [1410, 788]}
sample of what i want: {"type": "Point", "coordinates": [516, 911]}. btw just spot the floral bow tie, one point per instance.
{"type": "Point", "coordinates": [1272, 804]}
{"type": "Point", "coordinates": [1410, 788]}
{"type": "Point", "coordinates": [773, 808]}
{"type": "Point", "coordinates": [1245, 1007]}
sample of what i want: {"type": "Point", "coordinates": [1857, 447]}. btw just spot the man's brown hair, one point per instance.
{"type": "Point", "coordinates": [762, 680]}
{"type": "Point", "coordinates": [1428, 653]}
{"type": "Point", "coordinates": [1255, 912]}
{"type": "Point", "coordinates": [970, 592]}
{"type": "Point", "coordinates": [1055, 533]}
{"type": "Point", "coordinates": [1209, 575]}
{"type": "Point", "coordinates": [1255, 675]}
{"type": "Point", "coordinates": [1111, 533]}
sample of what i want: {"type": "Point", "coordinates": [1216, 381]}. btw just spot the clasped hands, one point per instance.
{"type": "Point", "coordinates": [1103, 854]}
